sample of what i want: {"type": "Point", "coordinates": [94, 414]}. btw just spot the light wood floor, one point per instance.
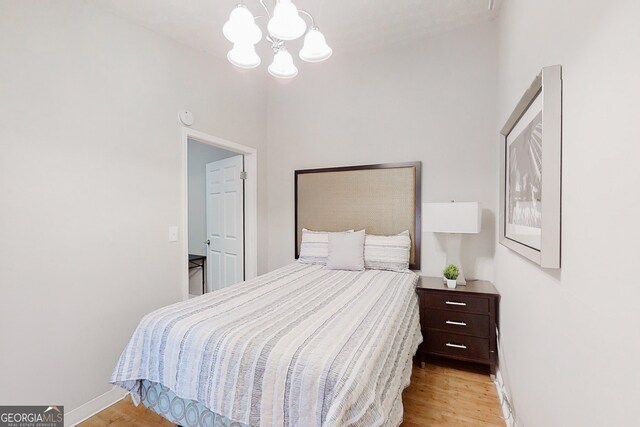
{"type": "Point", "coordinates": [437, 396]}
{"type": "Point", "coordinates": [444, 396]}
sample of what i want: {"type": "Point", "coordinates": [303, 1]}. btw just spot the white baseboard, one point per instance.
{"type": "Point", "coordinates": [93, 406]}
{"type": "Point", "coordinates": [505, 401]}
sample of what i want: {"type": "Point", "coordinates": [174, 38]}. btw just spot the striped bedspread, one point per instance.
{"type": "Point", "coordinates": [300, 346]}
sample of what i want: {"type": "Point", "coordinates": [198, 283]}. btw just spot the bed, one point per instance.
{"type": "Point", "coordinates": [300, 346]}
{"type": "Point", "coordinates": [303, 345]}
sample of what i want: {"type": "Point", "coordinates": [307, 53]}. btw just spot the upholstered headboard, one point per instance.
{"type": "Point", "coordinates": [382, 199]}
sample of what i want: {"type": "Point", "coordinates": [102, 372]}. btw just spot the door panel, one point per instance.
{"type": "Point", "coordinates": [215, 177]}
{"type": "Point", "coordinates": [225, 222]}
{"type": "Point", "coordinates": [230, 173]}
{"type": "Point", "coordinates": [214, 267]}
{"type": "Point", "coordinates": [231, 266]}
{"type": "Point", "coordinates": [214, 219]}
{"type": "Point", "coordinates": [230, 215]}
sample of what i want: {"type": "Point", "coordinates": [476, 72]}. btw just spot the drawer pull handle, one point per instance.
{"type": "Point", "coordinates": [455, 303]}
{"type": "Point", "coordinates": [453, 322]}
{"type": "Point", "coordinates": [464, 347]}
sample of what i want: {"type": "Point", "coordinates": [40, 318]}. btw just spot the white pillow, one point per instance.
{"type": "Point", "coordinates": [346, 251]}
{"type": "Point", "coordinates": [387, 252]}
{"type": "Point", "coordinates": [314, 247]}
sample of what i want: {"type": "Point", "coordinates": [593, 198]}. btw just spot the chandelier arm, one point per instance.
{"type": "Point", "coordinates": [313, 22]}
{"type": "Point", "coordinates": [265, 8]}
{"type": "Point", "coordinates": [266, 36]}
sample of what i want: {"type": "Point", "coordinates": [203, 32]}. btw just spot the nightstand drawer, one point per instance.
{"type": "Point", "coordinates": [457, 322]}
{"type": "Point", "coordinates": [461, 346]}
{"type": "Point", "coordinates": [455, 301]}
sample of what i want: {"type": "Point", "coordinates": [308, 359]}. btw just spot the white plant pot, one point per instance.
{"type": "Point", "coordinates": [451, 284]}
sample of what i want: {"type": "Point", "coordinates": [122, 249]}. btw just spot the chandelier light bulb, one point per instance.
{"type": "Point", "coordinates": [283, 66]}
{"type": "Point", "coordinates": [241, 26]}
{"type": "Point", "coordinates": [286, 23]}
{"type": "Point", "coordinates": [243, 55]}
{"type": "Point", "coordinates": [315, 48]}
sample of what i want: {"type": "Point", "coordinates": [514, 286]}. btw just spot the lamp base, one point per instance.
{"type": "Point", "coordinates": [454, 241]}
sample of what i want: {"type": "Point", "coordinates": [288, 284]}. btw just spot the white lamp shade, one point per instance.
{"type": "Point", "coordinates": [286, 23]}
{"type": "Point", "coordinates": [315, 48]}
{"type": "Point", "coordinates": [451, 217]}
{"type": "Point", "coordinates": [244, 55]}
{"type": "Point", "coordinates": [241, 27]}
{"type": "Point", "coordinates": [283, 66]}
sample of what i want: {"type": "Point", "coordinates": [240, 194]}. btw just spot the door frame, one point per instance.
{"type": "Point", "coordinates": [250, 201]}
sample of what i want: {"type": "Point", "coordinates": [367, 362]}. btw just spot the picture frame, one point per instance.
{"type": "Point", "coordinates": [531, 172]}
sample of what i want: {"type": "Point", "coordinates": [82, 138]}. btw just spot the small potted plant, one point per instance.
{"type": "Point", "coordinates": [451, 273]}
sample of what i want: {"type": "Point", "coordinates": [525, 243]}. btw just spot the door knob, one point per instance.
{"type": "Point", "coordinates": [208, 242]}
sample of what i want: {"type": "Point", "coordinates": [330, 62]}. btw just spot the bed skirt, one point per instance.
{"type": "Point", "coordinates": [184, 412]}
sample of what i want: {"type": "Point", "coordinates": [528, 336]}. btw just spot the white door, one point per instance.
{"type": "Point", "coordinates": [225, 223]}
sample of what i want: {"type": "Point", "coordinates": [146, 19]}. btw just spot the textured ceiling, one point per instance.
{"type": "Point", "coordinates": [349, 25]}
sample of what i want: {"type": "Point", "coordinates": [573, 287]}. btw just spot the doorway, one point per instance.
{"type": "Point", "coordinates": [220, 213]}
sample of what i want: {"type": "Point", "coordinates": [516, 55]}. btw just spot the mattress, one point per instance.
{"type": "Point", "coordinates": [300, 346]}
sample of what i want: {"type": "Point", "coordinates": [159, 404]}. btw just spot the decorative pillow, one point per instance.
{"type": "Point", "coordinates": [346, 251]}
{"type": "Point", "coordinates": [314, 248]}
{"type": "Point", "coordinates": [387, 252]}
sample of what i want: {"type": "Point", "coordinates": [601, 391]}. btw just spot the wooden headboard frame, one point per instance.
{"type": "Point", "coordinates": [416, 232]}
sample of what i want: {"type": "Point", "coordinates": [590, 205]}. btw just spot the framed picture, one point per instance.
{"type": "Point", "coordinates": [531, 172]}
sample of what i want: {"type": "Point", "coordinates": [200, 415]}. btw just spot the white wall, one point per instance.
{"type": "Point", "coordinates": [432, 101]}
{"type": "Point", "coordinates": [199, 155]}
{"type": "Point", "coordinates": [571, 337]}
{"type": "Point", "coordinates": [90, 181]}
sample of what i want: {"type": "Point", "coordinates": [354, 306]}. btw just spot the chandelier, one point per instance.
{"type": "Point", "coordinates": [285, 24]}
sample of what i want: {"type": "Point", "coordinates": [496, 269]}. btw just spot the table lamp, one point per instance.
{"type": "Point", "coordinates": [455, 219]}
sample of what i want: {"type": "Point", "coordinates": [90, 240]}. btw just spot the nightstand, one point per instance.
{"type": "Point", "coordinates": [459, 323]}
